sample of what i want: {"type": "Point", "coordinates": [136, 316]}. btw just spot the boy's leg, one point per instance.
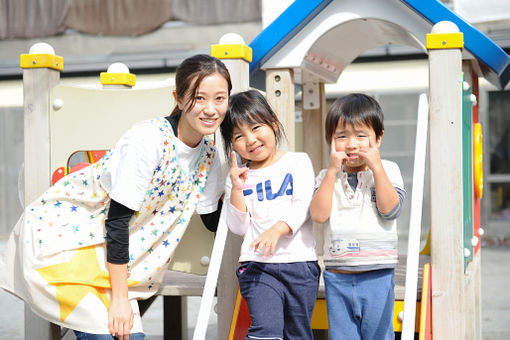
{"type": "Point", "coordinates": [301, 281]}
{"type": "Point", "coordinates": [342, 305]}
{"type": "Point", "coordinates": [376, 290]}
{"type": "Point", "coordinates": [264, 296]}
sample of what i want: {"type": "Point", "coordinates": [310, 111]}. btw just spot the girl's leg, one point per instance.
{"type": "Point", "coordinates": [263, 294]}
{"type": "Point", "coordinates": [90, 336]}
{"type": "Point", "coordinates": [301, 280]}
{"type": "Point", "coordinates": [343, 308]}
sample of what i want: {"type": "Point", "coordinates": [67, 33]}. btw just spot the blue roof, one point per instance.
{"type": "Point", "coordinates": [301, 12]}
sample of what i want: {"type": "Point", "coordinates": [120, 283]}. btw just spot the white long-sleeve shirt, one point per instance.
{"type": "Point", "coordinates": [279, 192]}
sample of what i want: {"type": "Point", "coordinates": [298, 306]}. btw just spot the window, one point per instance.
{"type": "Point", "coordinates": [497, 161]}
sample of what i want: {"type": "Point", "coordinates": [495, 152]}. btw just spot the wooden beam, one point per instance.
{"type": "Point", "coordinates": [280, 95]}
{"type": "Point", "coordinates": [313, 132]}
{"type": "Point", "coordinates": [447, 256]}
{"type": "Point", "coordinates": [37, 84]}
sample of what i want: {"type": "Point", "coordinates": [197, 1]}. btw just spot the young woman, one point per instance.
{"type": "Point", "coordinates": [101, 238]}
{"type": "Point", "coordinates": [267, 202]}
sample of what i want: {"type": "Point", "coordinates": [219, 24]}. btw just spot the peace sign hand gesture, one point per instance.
{"type": "Point", "coordinates": [237, 175]}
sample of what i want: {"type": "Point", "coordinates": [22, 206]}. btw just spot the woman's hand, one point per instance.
{"type": "Point", "coordinates": [120, 313]}
{"type": "Point", "coordinates": [120, 318]}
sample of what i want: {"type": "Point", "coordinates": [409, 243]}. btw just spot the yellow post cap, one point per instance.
{"type": "Point", "coordinates": [41, 55]}
{"type": "Point", "coordinates": [445, 35]}
{"type": "Point", "coordinates": [445, 40]}
{"type": "Point", "coordinates": [231, 46]}
{"type": "Point", "coordinates": [117, 74]}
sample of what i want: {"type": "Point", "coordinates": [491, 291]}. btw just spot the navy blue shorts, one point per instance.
{"type": "Point", "coordinates": [280, 297]}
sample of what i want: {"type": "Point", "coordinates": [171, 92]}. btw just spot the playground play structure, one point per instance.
{"type": "Point", "coordinates": [309, 44]}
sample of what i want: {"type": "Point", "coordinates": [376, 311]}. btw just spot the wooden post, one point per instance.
{"type": "Point", "coordinates": [445, 85]}
{"type": "Point", "coordinates": [236, 56]}
{"type": "Point", "coordinates": [41, 72]}
{"type": "Point", "coordinates": [280, 95]}
{"type": "Point", "coordinates": [314, 130]}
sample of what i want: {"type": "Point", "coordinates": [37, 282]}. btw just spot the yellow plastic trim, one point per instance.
{"type": "Point", "coordinates": [235, 317]}
{"type": "Point", "coordinates": [478, 160]}
{"type": "Point", "coordinates": [320, 315]}
{"type": "Point", "coordinates": [426, 248]}
{"type": "Point", "coordinates": [41, 61]}
{"type": "Point", "coordinates": [232, 51]}
{"type": "Point", "coordinates": [118, 78]}
{"type": "Point", "coordinates": [399, 307]}
{"type": "Point", "coordinates": [424, 301]}
{"type": "Point", "coordinates": [445, 40]}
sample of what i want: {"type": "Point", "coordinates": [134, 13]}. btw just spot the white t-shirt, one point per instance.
{"type": "Point", "coordinates": [279, 192]}
{"type": "Point", "coordinates": [139, 152]}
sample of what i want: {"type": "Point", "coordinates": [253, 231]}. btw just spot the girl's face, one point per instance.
{"type": "Point", "coordinates": [208, 111]}
{"type": "Point", "coordinates": [351, 139]}
{"type": "Point", "coordinates": [255, 143]}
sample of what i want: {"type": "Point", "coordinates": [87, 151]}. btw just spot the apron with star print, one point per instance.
{"type": "Point", "coordinates": [56, 258]}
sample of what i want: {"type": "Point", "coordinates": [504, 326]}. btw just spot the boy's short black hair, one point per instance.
{"type": "Point", "coordinates": [248, 107]}
{"type": "Point", "coordinates": [355, 109]}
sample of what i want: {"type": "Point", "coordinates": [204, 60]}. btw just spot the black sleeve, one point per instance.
{"type": "Point", "coordinates": [117, 233]}
{"type": "Point", "coordinates": [211, 220]}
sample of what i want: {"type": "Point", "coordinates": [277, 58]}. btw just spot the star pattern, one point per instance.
{"type": "Point", "coordinates": [75, 279]}
{"type": "Point", "coordinates": [157, 226]}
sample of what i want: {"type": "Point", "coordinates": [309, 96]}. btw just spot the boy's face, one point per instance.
{"type": "Point", "coordinates": [352, 139]}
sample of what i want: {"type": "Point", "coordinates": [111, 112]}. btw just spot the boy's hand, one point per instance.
{"type": "Point", "coordinates": [237, 175]}
{"type": "Point", "coordinates": [269, 238]}
{"type": "Point", "coordinates": [336, 159]}
{"type": "Point", "coordinates": [371, 155]}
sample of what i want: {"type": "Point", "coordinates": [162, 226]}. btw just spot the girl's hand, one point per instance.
{"type": "Point", "coordinates": [269, 238]}
{"type": "Point", "coordinates": [237, 175]}
{"type": "Point", "coordinates": [120, 318]}
{"type": "Point", "coordinates": [336, 159]}
{"type": "Point", "coordinates": [371, 156]}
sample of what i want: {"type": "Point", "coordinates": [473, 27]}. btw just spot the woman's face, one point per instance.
{"type": "Point", "coordinates": [207, 112]}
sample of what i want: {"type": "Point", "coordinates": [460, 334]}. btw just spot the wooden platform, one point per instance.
{"type": "Point", "coordinates": [185, 284]}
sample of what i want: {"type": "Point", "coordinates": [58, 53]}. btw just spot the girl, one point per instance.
{"type": "Point", "coordinates": [267, 202]}
{"type": "Point", "coordinates": [101, 238]}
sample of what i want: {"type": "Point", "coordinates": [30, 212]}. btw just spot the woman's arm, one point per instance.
{"type": "Point", "coordinates": [120, 313]}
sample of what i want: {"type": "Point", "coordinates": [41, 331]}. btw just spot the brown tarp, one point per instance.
{"type": "Point", "coordinates": [216, 11]}
{"type": "Point", "coordinates": [42, 18]}
{"type": "Point", "coordinates": [32, 18]}
{"type": "Point", "coordinates": [118, 17]}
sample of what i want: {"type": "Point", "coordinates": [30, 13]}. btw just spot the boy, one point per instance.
{"type": "Point", "coordinates": [358, 197]}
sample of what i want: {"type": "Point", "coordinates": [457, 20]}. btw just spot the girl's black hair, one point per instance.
{"type": "Point", "coordinates": [249, 107]}
{"type": "Point", "coordinates": [355, 109]}
{"type": "Point", "coordinates": [191, 72]}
